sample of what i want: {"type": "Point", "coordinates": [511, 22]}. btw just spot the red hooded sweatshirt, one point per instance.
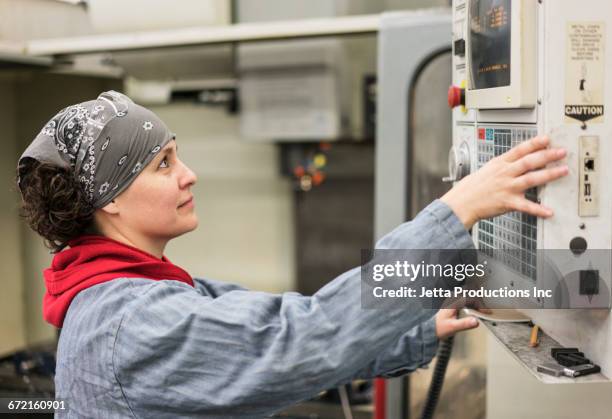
{"type": "Point", "coordinates": [92, 260]}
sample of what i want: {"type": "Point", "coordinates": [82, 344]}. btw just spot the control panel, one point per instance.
{"type": "Point", "coordinates": [523, 68]}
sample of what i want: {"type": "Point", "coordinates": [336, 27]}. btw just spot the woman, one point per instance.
{"type": "Point", "coordinates": [141, 338]}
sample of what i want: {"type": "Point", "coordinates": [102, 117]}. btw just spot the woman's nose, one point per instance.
{"type": "Point", "coordinates": [188, 177]}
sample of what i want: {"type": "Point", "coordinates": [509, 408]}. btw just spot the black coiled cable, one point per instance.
{"type": "Point", "coordinates": [437, 380]}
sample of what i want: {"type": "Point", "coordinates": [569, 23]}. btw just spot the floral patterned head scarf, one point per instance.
{"type": "Point", "coordinates": [105, 143]}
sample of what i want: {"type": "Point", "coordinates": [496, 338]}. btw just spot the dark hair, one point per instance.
{"type": "Point", "coordinates": [53, 203]}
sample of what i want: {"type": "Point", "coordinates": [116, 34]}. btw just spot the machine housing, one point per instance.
{"type": "Point", "coordinates": [531, 68]}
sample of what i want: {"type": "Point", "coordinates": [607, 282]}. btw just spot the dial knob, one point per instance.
{"type": "Point", "coordinates": [458, 163]}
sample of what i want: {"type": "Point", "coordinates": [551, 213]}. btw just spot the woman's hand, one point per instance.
{"type": "Point", "coordinates": [447, 323]}
{"type": "Point", "coordinates": [500, 185]}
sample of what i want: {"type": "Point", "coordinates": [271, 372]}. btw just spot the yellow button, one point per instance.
{"type": "Point", "coordinates": [320, 160]}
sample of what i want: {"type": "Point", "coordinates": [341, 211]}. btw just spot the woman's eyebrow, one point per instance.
{"type": "Point", "coordinates": [168, 149]}
{"type": "Point", "coordinates": [162, 153]}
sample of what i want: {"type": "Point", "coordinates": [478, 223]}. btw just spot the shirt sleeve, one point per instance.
{"type": "Point", "coordinates": [250, 354]}
{"type": "Point", "coordinates": [414, 349]}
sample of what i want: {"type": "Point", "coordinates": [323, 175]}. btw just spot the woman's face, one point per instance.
{"type": "Point", "coordinates": [151, 207]}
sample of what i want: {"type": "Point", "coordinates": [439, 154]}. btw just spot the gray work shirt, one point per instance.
{"type": "Point", "coordinates": [139, 348]}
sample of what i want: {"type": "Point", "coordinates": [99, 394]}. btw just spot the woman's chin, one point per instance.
{"type": "Point", "coordinates": [186, 227]}
{"type": "Point", "coordinates": [194, 224]}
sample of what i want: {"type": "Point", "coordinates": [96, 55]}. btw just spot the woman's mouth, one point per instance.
{"type": "Point", "coordinates": [187, 203]}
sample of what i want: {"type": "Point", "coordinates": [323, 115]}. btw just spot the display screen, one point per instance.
{"type": "Point", "coordinates": [490, 43]}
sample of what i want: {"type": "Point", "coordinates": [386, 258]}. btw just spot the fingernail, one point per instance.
{"type": "Point", "coordinates": [561, 152]}
{"type": "Point", "coordinates": [473, 322]}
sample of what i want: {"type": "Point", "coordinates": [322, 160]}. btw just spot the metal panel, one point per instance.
{"type": "Point", "coordinates": [430, 125]}
{"type": "Point", "coordinates": [407, 42]}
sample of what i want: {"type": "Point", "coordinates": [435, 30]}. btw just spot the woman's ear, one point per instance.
{"type": "Point", "coordinates": [111, 208]}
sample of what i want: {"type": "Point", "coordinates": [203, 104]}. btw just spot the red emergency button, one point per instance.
{"type": "Point", "coordinates": [456, 96]}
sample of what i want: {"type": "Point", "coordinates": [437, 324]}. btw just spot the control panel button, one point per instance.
{"type": "Point", "coordinates": [456, 96]}
{"type": "Point", "coordinates": [578, 245]}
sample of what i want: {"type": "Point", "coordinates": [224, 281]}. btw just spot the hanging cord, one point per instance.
{"type": "Point", "coordinates": [437, 380]}
{"type": "Point", "coordinates": [344, 399]}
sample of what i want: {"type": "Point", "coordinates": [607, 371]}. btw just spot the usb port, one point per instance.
{"type": "Point", "coordinates": [590, 178]}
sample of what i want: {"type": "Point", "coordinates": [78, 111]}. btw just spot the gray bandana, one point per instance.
{"type": "Point", "coordinates": [105, 143]}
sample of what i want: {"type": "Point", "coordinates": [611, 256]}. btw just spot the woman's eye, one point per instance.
{"type": "Point", "coordinates": [164, 161]}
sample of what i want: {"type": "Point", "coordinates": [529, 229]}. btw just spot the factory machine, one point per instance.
{"type": "Point", "coordinates": [522, 68]}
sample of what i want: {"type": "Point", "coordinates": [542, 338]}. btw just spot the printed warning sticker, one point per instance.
{"type": "Point", "coordinates": [584, 77]}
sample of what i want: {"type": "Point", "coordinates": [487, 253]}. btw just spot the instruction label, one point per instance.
{"type": "Point", "coordinates": [584, 77]}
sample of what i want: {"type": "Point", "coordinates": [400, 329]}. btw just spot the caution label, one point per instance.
{"type": "Point", "coordinates": [584, 81]}
{"type": "Point", "coordinates": [584, 112]}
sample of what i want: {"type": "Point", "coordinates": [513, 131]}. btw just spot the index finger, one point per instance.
{"type": "Point", "coordinates": [526, 147]}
